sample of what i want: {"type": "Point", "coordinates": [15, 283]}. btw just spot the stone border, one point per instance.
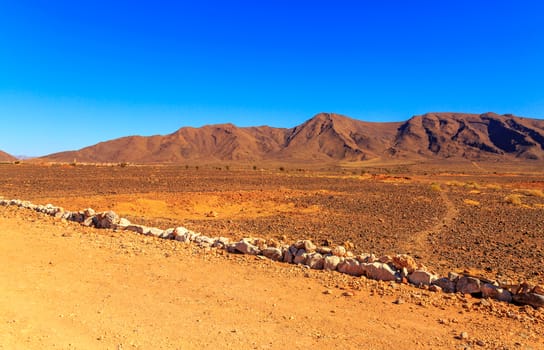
{"type": "Point", "coordinates": [401, 268]}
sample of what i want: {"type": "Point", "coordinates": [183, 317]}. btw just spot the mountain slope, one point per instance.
{"type": "Point", "coordinates": [471, 136]}
{"type": "Point", "coordinates": [332, 137]}
{"type": "Point", "coordinates": [4, 157]}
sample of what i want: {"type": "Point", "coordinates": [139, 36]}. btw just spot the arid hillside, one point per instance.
{"type": "Point", "coordinates": [471, 136]}
{"type": "Point", "coordinates": [4, 157]}
{"type": "Point", "coordinates": [332, 137]}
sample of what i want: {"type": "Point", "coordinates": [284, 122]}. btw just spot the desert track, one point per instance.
{"type": "Point", "coordinates": [420, 241]}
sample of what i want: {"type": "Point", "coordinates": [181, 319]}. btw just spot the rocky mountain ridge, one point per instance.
{"type": "Point", "coordinates": [332, 137]}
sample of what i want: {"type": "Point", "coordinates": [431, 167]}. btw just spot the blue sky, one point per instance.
{"type": "Point", "coordinates": [73, 73]}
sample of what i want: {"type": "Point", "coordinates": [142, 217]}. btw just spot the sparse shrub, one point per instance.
{"type": "Point", "coordinates": [436, 187]}
{"type": "Point", "coordinates": [17, 162]}
{"type": "Point", "coordinates": [533, 192]}
{"type": "Point", "coordinates": [471, 202]}
{"type": "Point", "coordinates": [282, 168]}
{"type": "Point", "coordinates": [254, 167]}
{"type": "Point", "coordinates": [455, 183]}
{"type": "Point", "coordinates": [513, 199]}
{"type": "Point", "coordinates": [123, 164]}
{"type": "Point", "coordinates": [227, 167]}
{"type": "Point", "coordinates": [473, 185]}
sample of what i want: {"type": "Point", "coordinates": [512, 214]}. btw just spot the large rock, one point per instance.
{"type": "Point", "coordinates": [153, 231]}
{"type": "Point", "coordinates": [273, 253]}
{"type": "Point", "coordinates": [533, 299]}
{"type": "Point", "coordinates": [123, 223]}
{"type": "Point", "coordinates": [468, 285]}
{"type": "Point", "coordinates": [307, 245]}
{"type": "Point", "coordinates": [89, 212]}
{"type": "Point", "coordinates": [331, 262]}
{"type": "Point", "coordinates": [315, 261]}
{"type": "Point", "coordinates": [300, 257]}
{"type": "Point", "coordinates": [107, 219]}
{"type": "Point", "coordinates": [289, 254]}
{"type": "Point", "coordinates": [379, 271]}
{"type": "Point", "coordinates": [447, 285]}
{"type": "Point", "coordinates": [89, 222]}
{"type": "Point", "coordinates": [402, 261]}
{"type": "Point", "coordinates": [221, 242]}
{"type": "Point", "coordinates": [245, 247]}
{"type": "Point", "coordinates": [339, 251]}
{"type": "Point", "coordinates": [204, 241]}
{"type": "Point", "coordinates": [351, 267]}
{"type": "Point", "coordinates": [494, 292]}
{"type": "Point", "coordinates": [366, 258]}
{"type": "Point", "coordinates": [184, 235]}
{"type": "Point", "coordinates": [420, 277]}
{"type": "Point", "coordinates": [141, 229]}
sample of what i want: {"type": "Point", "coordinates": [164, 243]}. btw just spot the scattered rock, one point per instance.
{"type": "Point", "coordinates": [399, 301]}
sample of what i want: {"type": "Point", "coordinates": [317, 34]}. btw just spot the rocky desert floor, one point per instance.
{"type": "Point", "coordinates": [67, 286]}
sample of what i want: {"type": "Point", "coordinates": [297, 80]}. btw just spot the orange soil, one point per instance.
{"type": "Point", "coordinates": [63, 286]}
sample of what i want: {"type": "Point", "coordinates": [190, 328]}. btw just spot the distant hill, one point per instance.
{"type": "Point", "coordinates": [331, 137]}
{"type": "Point", "coordinates": [4, 157]}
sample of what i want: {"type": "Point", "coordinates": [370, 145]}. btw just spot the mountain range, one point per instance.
{"type": "Point", "coordinates": [332, 137]}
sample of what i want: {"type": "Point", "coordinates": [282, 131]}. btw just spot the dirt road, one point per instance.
{"type": "Point", "coordinates": [63, 286]}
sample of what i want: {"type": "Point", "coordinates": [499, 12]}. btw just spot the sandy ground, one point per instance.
{"type": "Point", "coordinates": [63, 286]}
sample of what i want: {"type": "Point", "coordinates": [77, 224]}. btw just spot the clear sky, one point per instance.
{"type": "Point", "coordinates": [73, 73]}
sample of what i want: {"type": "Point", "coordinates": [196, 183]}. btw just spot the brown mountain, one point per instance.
{"type": "Point", "coordinates": [4, 157]}
{"type": "Point", "coordinates": [332, 137]}
{"type": "Point", "coordinates": [470, 136]}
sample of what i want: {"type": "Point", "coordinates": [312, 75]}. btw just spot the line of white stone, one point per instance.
{"type": "Point", "coordinates": [401, 268]}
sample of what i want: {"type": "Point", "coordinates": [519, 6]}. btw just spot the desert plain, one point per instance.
{"type": "Point", "coordinates": [65, 286]}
